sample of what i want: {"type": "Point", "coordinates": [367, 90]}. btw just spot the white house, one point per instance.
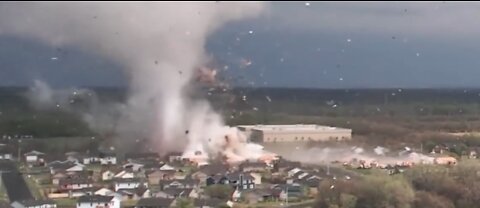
{"type": "Point", "coordinates": [108, 159]}
{"type": "Point", "coordinates": [133, 166]}
{"type": "Point", "coordinates": [5, 155]}
{"type": "Point", "coordinates": [167, 167]}
{"type": "Point", "coordinates": [65, 166]}
{"type": "Point", "coordinates": [97, 201]}
{"type": "Point", "coordinates": [107, 192]}
{"type": "Point", "coordinates": [107, 175]}
{"type": "Point", "coordinates": [293, 171]}
{"type": "Point", "coordinates": [90, 159]}
{"type": "Point", "coordinates": [128, 183]}
{"type": "Point", "coordinates": [124, 174]}
{"type": "Point", "coordinates": [33, 156]}
{"type": "Point", "coordinates": [75, 184]}
{"type": "Point", "coordinates": [34, 204]}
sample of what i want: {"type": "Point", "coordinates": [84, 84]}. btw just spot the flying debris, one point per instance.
{"type": "Point", "coordinates": [307, 4]}
{"type": "Point", "coordinates": [244, 63]}
{"type": "Point", "coordinates": [54, 58]}
{"type": "Point", "coordinates": [250, 32]}
{"type": "Point", "coordinates": [156, 62]}
{"type": "Point", "coordinates": [268, 98]}
{"type": "Point", "coordinates": [255, 108]}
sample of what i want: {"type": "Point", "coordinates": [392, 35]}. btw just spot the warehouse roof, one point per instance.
{"type": "Point", "coordinates": [294, 128]}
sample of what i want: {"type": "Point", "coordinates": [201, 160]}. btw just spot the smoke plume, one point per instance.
{"type": "Point", "coordinates": [159, 43]}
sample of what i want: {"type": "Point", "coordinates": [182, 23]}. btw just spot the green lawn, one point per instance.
{"type": "Point", "coordinates": [3, 193]}
{"type": "Point", "coordinates": [35, 189]}
{"type": "Point", "coordinates": [65, 202]}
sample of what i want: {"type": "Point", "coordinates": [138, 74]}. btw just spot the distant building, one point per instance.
{"type": "Point", "coordinates": [34, 157]}
{"type": "Point", "coordinates": [34, 204]}
{"type": "Point", "coordinates": [295, 133]}
{"type": "Point", "coordinates": [97, 201]}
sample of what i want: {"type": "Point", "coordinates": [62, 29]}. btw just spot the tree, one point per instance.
{"type": "Point", "coordinates": [184, 203]}
{"type": "Point", "coordinates": [348, 201]}
{"type": "Point", "coordinates": [219, 191]}
{"type": "Point", "coordinates": [428, 199]}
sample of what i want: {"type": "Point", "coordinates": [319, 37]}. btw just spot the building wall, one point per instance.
{"type": "Point", "coordinates": [31, 158]}
{"type": "Point", "coordinates": [108, 161]}
{"type": "Point", "coordinates": [115, 203]}
{"type": "Point", "coordinates": [292, 136]}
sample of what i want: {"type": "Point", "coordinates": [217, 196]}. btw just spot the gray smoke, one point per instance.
{"type": "Point", "coordinates": [160, 44]}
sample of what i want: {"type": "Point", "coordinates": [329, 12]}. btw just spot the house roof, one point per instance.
{"type": "Point", "coordinates": [186, 181]}
{"type": "Point", "coordinates": [208, 202]}
{"type": "Point", "coordinates": [154, 202]}
{"type": "Point", "coordinates": [138, 191]}
{"type": "Point", "coordinates": [67, 181]}
{"type": "Point", "coordinates": [94, 199]}
{"type": "Point", "coordinates": [213, 169]}
{"type": "Point", "coordinates": [177, 191]}
{"type": "Point", "coordinates": [58, 165]}
{"type": "Point", "coordinates": [127, 180]}
{"type": "Point", "coordinates": [34, 153]}
{"type": "Point", "coordinates": [237, 175]}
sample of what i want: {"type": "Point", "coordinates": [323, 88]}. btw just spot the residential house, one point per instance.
{"type": "Point", "coordinates": [292, 171]}
{"type": "Point", "coordinates": [177, 193]}
{"type": "Point", "coordinates": [82, 192]}
{"type": "Point", "coordinates": [209, 170]}
{"type": "Point", "coordinates": [157, 175]}
{"type": "Point", "coordinates": [108, 158]}
{"type": "Point", "coordinates": [182, 183]}
{"type": "Point", "coordinates": [134, 166]}
{"type": "Point", "coordinates": [69, 184]}
{"type": "Point", "coordinates": [154, 203]}
{"type": "Point", "coordinates": [65, 166]}
{"type": "Point", "coordinates": [108, 175]}
{"type": "Point", "coordinates": [173, 157]}
{"type": "Point", "coordinates": [60, 175]}
{"type": "Point", "coordinates": [311, 183]}
{"type": "Point", "coordinates": [124, 174]}
{"type": "Point", "coordinates": [5, 154]}
{"type": "Point", "coordinates": [253, 196]}
{"type": "Point", "coordinates": [106, 192]}
{"type": "Point", "coordinates": [207, 203]}
{"type": "Point", "coordinates": [35, 157]}
{"type": "Point", "coordinates": [134, 194]}
{"type": "Point", "coordinates": [97, 201]}
{"type": "Point", "coordinates": [238, 180]}
{"type": "Point", "coordinates": [128, 183]}
{"type": "Point", "coordinates": [257, 178]}
{"type": "Point", "coordinates": [253, 167]}
{"type": "Point", "coordinates": [34, 204]}
{"type": "Point", "coordinates": [90, 159]}
{"type": "Point", "coordinates": [281, 165]}
{"type": "Point", "coordinates": [288, 190]}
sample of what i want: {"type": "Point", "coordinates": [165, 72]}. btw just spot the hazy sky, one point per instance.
{"type": "Point", "coordinates": [302, 44]}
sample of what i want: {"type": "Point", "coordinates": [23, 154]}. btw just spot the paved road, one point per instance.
{"type": "Point", "coordinates": [14, 183]}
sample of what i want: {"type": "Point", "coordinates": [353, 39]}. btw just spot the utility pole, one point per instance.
{"type": "Point", "coordinates": [286, 192]}
{"type": "Point", "coordinates": [19, 149]}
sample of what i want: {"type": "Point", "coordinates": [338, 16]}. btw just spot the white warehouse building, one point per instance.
{"type": "Point", "coordinates": [295, 133]}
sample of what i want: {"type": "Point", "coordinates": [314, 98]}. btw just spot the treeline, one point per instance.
{"type": "Point", "coordinates": [419, 187]}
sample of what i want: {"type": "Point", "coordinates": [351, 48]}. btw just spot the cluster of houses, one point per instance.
{"type": "Point", "coordinates": [105, 180]}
